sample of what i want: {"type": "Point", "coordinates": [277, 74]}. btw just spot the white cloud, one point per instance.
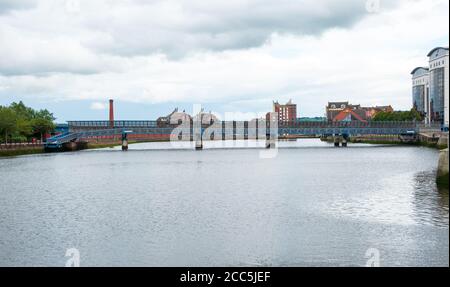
{"type": "Point", "coordinates": [13, 5]}
{"type": "Point", "coordinates": [98, 106]}
{"type": "Point", "coordinates": [97, 56]}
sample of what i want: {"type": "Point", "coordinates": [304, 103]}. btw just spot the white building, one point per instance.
{"type": "Point", "coordinates": [431, 87]}
{"type": "Point", "coordinates": [439, 84]}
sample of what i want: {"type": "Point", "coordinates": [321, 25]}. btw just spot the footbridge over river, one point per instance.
{"type": "Point", "coordinates": [226, 130]}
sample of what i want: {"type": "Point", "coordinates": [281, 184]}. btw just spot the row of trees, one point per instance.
{"type": "Point", "coordinates": [398, 116]}
{"type": "Point", "coordinates": [19, 123]}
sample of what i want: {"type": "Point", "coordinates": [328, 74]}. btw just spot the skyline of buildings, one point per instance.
{"type": "Point", "coordinates": [344, 111]}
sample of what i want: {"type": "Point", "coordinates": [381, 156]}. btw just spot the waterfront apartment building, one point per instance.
{"type": "Point", "coordinates": [287, 112]}
{"type": "Point", "coordinates": [439, 84]}
{"type": "Point", "coordinates": [421, 91]}
{"type": "Point", "coordinates": [430, 87]}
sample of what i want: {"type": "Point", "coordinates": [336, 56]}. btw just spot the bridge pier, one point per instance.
{"type": "Point", "coordinates": [345, 138]}
{"type": "Point", "coordinates": [270, 142]}
{"type": "Point", "coordinates": [198, 138]}
{"type": "Point", "coordinates": [124, 144]}
{"type": "Point", "coordinates": [70, 146]}
{"type": "Point", "coordinates": [336, 141]}
{"type": "Point", "coordinates": [340, 141]}
{"type": "Point", "coordinates": [198, 144]}
{"type": "Point", "coordinates": [124, 141]}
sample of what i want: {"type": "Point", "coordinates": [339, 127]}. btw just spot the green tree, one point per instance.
{"type": "Point", "coordinates": [42, 126]}
{"type": "Point", "coordinates": [8, 122]}
{"type": "Point", "coordinates": [23, 111]}
{"type": "Point", "coordinates": [399, 116]}
{"type": "Point", "coordinates": [43, 122]}
{"type": "Point", "coordinates": [23, 129]}
{"type": "Point", "coordinates": [21, 122]}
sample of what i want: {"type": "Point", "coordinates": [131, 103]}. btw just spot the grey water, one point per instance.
{"type": "Point", "coordinates": [305, 204]}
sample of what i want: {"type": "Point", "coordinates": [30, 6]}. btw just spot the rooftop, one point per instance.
{"type": "Point", "coordinates": [419, 68]}
{"type": "Point", "coordinates": [435, 49]}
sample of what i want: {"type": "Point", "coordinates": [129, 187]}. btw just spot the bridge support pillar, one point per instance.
{"type": "Point", "coordinates": [198, 141]}
{"type": "Point", "coordinates": [198, 144]}
{"type": "Point", "coordinates": [124, 141]}
{"type": "Point", "coordinates": [270, 143]}
{"type": "Point", "coordinates": [336, 140]}
{"type": "Point", "coordinates": [125, 144]}
{"type": "Point", "coordinates": [70, 146]}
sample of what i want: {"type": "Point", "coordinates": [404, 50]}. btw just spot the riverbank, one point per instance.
{"type": "Point", "coordinates": [442, 181]}
{"type": "Point", "coordinates": [15, 149]}
{"type": "Point", "coordinates": [395, 140]}
{"type": "Point", "coordinates": [99, 145]}
{"type": "Point", "coordinates": [23, 151]}
{"type": "Point", "coordinates": [443, 169]}
{"type": "Point", "coordinates": [418, 143]}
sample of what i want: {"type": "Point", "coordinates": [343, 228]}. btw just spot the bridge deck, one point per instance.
{"type": "Point", "coordinates": [229, 130]}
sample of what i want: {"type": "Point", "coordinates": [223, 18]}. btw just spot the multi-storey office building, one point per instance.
{"type": "Point", "coordinates": [430, 90]}
{"type": "Point", "coordinates": [439, 84]}
{"type": "Point", "coordinates": [421, 91]}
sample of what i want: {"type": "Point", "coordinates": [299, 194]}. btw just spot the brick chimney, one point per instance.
{"type": "Point", "coordinates": [111, 113]}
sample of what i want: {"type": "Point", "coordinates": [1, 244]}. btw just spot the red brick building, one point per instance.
{"type": "Point", "coordinates": [286, 113]}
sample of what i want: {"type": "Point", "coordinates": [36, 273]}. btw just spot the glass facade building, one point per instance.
{"type": "Point", "coordinates": [437, 94]}
{"type": "Point", "coordinates": [430, 87]}
{"type": "Point", "coordinates": [421, 91]}
{"type": "Point", "coordinates": [419, 98]}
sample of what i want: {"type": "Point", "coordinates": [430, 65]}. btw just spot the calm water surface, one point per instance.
{"type": "Point", "coordinates": [159, 205]}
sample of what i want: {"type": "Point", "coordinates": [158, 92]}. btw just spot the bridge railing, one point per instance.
{"type": "Point", "coordinates": [349, 124]}
{"type": "Point", "coordinates": [246, 128]}
{"type": "Point", "coordinates": [73, 125]}
{"type": "Point", "coordinates": [63, 138]}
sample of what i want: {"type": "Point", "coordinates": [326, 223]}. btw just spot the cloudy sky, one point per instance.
{"type": "Point", "coordinates": [230, 56]}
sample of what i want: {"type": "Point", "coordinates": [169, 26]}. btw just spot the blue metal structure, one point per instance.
{"type": "Point", "coordinates": [62, 128]}
{"type": "Point", "coordinates": [56, 142]}
{"type": "Point", "coordinates": [230, 130]}
{"type": "Point", "coordinates": [108, 124]}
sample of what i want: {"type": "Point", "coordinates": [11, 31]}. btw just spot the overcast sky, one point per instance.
{"type": "Point", "coordinates": [230, 55]}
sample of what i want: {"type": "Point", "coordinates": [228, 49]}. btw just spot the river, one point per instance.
{"type": "Point", "coordinates": [310, 204]}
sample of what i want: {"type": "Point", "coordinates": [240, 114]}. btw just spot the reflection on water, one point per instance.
{"type": "Point", "coordinates": [230, 144]}
{"type": "Point", "coordinates": [430, 203]}
{"type": "Point", "coordinates": [311, 205]}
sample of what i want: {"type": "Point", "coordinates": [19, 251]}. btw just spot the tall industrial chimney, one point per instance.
{"type": "Point", "coordinates": [111, 113]}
